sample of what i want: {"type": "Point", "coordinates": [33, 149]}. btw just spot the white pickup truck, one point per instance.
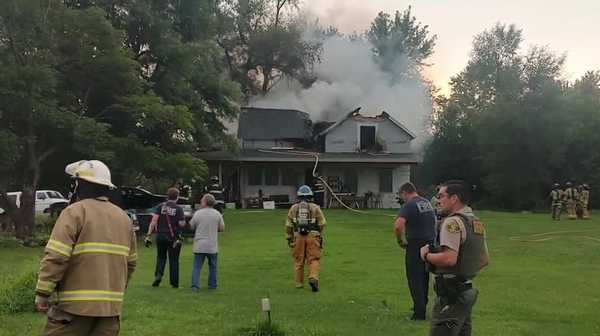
{"type": "Point", "coordinates": [46, 201]}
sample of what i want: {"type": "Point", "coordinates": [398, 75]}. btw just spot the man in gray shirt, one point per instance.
{"type": "Point", "coordinates": [206, 223]}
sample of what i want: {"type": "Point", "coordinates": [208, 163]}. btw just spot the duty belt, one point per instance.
{"type": "Point", "coordinates": [448, 287]}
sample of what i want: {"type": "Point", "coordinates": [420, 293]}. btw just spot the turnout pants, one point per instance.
{"type": "Point", "coordinates": [417, 276]}
{"type": "Point", "coordinates": [164, 248]}
{"type": "Point", "coordinates": [586, 211]}
{"type": "Point", "coordinates": [61, 323]}
{"type": "Point", "coordinates": [556, 210]}
{"type": "Point", "coordinates": [307, 249]}
{"type": "Point", "coordinates": [572, 209]}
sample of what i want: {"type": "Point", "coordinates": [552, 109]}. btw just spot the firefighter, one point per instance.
{"type": "Point", "coordinates": [585, 201]}
{"type": "Point", "coordinates": [89, 259]}
{"type": "Point", "coordinates": [216, 189]}
{"type": "Point", "coordinates": [570, 194]}
{"type": "Point", "coordinates": [304, 227]}
{"type": "Point", "coordinates": [555, 196]}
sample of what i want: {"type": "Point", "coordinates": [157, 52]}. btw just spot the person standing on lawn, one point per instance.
{"type": "Point", "coordinates": [206, 223]}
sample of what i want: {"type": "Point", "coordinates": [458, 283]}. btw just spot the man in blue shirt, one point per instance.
{"type": "Point", "coordinates": [415, 228]}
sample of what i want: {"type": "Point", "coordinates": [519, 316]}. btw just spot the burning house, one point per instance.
{"type": "Point", "coordinates": [363, 159]}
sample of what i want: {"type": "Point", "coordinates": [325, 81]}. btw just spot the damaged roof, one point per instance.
{"type": "Point", "coordinates": [359, 117]}
{"type": "Point", "coordinates": [272, 124]}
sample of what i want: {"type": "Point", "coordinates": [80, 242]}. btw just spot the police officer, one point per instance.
{"type": "Point", "coordinates": [459, 254]}
{"type": "Point", "coordinates": [167, 221]}
{"type": "Point", "coordinates": [415, 228]}
{"type": "Point", "coordinates": [304, 227]}
{"type": "Point", "coordinates": [585, 201]}
{"type": "Point", "coordinates": [570, 195]}
{"type": "Point", "coordinates": [555, 196]}
{"type": "Point", "coordinates": [216, 189]}
{"type": "Point", "coordinates": [90, 237]}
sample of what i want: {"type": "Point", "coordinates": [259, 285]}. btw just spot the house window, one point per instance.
{"type": "Point", "coordinates": [351, 181]}
{"type": "Point", "coordinates": [254, 176]}
{"type": "Point", "coordinates": [367, 137]}
{"type": "Point", "coordinates": [271, 176]}
{"type": "Point", "coordinates": [386, 180]}
{"type": "Point", "coordinates": [289, 177]}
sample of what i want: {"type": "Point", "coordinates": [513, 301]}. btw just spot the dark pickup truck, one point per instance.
{"type": "Point", "coordinates": [140, 204]}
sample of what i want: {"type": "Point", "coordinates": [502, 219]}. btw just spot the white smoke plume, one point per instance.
{"type": "Point", "coordinates": [349, 77]}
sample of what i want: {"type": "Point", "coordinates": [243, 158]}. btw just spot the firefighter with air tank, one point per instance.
{"type": "Point", "coordinates": [304, 228]}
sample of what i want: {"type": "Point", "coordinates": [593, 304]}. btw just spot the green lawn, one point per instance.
{"type": "Point", "coordinates": [530, 288]}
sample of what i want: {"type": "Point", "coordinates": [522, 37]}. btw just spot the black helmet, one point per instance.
{"type": "Point", "coordinates": [556, 185]}
{"type": "Point", "coordinates": [214, 178]}
{"type": "Point", "coordinates": [568, 184]}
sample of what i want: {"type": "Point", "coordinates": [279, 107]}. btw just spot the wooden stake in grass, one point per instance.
{"type": "Point", "coordinates": [266, 307]}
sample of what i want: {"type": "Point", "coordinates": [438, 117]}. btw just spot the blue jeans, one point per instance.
{"type": "Point", "coordinates": [212, 269]}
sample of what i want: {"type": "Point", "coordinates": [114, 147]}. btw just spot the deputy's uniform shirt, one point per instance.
{"type": "Point", "coordinates": [89, 259]}
{"type": "Point", "coordinates": [453, 234]}
{"type": "Point", "coordinates": [315, 213]}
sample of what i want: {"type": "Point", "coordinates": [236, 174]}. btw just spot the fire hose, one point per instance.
{"type": "Point", "coordinates": [534, 238]}
{"type": "Point", "coordinates": [320, 178]}
{"type": "Point", "coordinates": [546, 236]}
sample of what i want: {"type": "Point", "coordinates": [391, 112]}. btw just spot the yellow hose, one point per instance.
{"type": "Point", "coordinates": [315, 175]}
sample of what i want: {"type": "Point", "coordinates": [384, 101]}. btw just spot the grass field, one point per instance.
{"type": "Point", "coordinates": [550, 287]}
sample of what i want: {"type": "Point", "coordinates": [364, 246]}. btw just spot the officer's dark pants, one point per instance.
{"type": "Point", "coordinates": [454, 319]}
{"type": "Point", "coordinates": [165, 247]}
{"type": "Point", "coordinates": [417, 276]}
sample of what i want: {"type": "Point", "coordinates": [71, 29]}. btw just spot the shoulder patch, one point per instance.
{"type": "Point", "coordinates": [452, 227]}
{"type": "Point", "coordinates": [478, 227]}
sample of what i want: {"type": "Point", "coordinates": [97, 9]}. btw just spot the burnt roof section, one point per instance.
{"type": "Point", "coordinates": [355, 114]}
{"type": "Point", "coordinates": [272, 124]}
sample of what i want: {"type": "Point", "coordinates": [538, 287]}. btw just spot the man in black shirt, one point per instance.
{"type": "Point", "coordinates": [415, 228]}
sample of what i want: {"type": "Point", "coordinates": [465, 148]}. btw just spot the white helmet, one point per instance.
{"type": "Point", "coordinates": [93, 171]}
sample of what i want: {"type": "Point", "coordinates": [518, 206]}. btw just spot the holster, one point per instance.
{"type": "Point", "coordinates": [449, 289]}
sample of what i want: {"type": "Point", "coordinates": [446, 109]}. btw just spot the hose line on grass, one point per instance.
{"type": "Point", "coordinates": [546, 236]}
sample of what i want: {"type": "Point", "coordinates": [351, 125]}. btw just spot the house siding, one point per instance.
{"type": "Point", "coordinates": [345, 137]}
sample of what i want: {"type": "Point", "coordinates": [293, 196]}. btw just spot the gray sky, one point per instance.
{"type": "Point", "coordinates": [571, 27]}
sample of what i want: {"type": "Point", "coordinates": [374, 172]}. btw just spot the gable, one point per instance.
{"type": "Point", "coordinates": [346, 136]}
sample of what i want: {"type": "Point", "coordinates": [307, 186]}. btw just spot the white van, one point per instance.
{"type": "Point", "coordinates": [45, 200]}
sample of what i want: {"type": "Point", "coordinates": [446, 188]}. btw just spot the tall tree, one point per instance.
{"type": "Point", "coordinates": [263, 43]}
{"type": "Point", "coordinates": [504, 120]}
{"type": "Point", "coordinates": [401, 43]}
{"type": "Point", "coordinates": [39, 113]}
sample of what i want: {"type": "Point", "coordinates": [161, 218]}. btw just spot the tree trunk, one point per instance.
{"type": "Point", "coordinates": [25, 219]}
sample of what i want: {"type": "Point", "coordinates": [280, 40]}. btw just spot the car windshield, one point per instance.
{"type": "Point", "coordinates": [54, 194]}
{"type": "Point", "coordinates": [12, 199]}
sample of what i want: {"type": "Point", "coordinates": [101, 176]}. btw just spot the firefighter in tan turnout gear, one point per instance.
{"type": "Point", "coordinates": [304, 227]}
{"type": "Point", "coordinates": [571, 195]}
{"type": "Point", "coordinates": [585, 201]}
{"type": "Point", "coordinates": [88, 260]}
{"type": "Point", "coordinates": [556, 198]}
